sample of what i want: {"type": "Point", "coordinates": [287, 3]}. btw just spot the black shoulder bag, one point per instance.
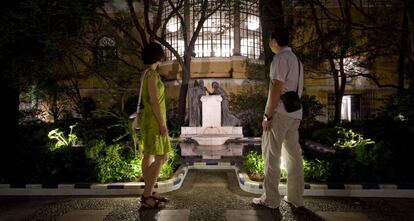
{"type": "Point", "coordinates": [291, 99]}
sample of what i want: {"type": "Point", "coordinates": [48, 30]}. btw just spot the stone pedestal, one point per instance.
{"type": "Point", "coordinates": [211, 111]}
{"type": "Point", "coordinates": [211, 151]}
{"type": "Point", "coordinates": [210, 140]}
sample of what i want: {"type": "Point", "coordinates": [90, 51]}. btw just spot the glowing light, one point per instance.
{"type": "Point", "coordinates": [211, 24]}
{"type": "Point", "coordinates": [222, 52]}
{"type": "Point", "coordinates": [253, 23]}
{"type": "Point", "coordinates": [178, 45]}
{"type": "Point", "coordinates": [173, 25]}
{"type": "Point", "coordinates": [282, 164]}
{"type": "Point", "coordinates": [180, 48]}
{"type": "Point", "coordinates": [245, 45]}
{"type": "Point", "coordinates": [346, 108]}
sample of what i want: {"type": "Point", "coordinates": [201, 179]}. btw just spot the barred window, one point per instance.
{"type": "Point", "coordinates": [250, 30]}
{"type": "Point", "coordinates": [216, 37]}
{"type": "Point", "coordinates": [106, 51]}
{"type": "Point", "coordinates": [173, 34]}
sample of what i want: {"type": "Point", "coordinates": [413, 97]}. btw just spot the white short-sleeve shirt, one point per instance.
{"type": "Point", "coordinates": [285, 68]}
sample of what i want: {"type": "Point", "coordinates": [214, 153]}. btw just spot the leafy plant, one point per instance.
{"type": "Point", "coordinates": [253, 164]}
{"type": "Point", "coordinates": [125, 124]}
{"type": "Point", "coordinates": [61, 139]}
{"type": "Point", "coordinates": [111, 164]}
{"type": "Point", "coordinates": [350, 139]}
{"type": "Point", "coordinates": [316, 170]}
{"type": "Point", "coordinates": [399, 106]}
{"type": "Point", "coordinates": [169, 167]}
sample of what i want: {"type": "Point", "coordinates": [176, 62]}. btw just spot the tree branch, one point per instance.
{"type": "Point", "coordinates": [375, 80]}
{"type": "Point", "coordinates": [122, 29]}
{"type": "Point", "coordinates": [136, 22]}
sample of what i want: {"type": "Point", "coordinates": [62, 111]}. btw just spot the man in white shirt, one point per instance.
{"type": "Point", "coordinates": [280, 128]}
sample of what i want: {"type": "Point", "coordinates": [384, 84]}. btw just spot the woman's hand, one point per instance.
{"type": "Point", "coordinates": [163, 130]}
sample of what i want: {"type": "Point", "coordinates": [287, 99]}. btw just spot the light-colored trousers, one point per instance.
{"type": "Point", "coordinates": [282, 139]}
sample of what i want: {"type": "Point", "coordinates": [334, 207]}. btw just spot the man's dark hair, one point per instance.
{"type": "Point", "coordinates": [281, 35]}
{"type": "Point", "coordinates": [152, 53]}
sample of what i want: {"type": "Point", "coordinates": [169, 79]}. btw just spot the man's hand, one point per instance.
{"type": "Point", "coordinates": [266, 125]}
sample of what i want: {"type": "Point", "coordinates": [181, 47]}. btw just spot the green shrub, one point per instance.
{"type": "Point", "coordinates": [356, 158]}
{"type": "Point", "coordinates": [253, 164]}
{"type": "Point", "coordinates": [399, 106]}
{"type": "Point", "coordinates": [316, 170]}
{"type": "Point", "coordinates": [112, 165]}
{"type": "Point", "coordinates": [169, 167]}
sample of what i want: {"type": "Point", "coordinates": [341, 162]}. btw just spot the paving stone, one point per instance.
{"type": "Point", "coordinates": [174, 215]}
{"type": "Point", "coordinates": [248, 215]}
{"type": "Point", "coordinates": [21, 208]}
{"type": "Point", "coordinates": [16, 214]}
{"type": "Point", "coordinates": [85, 215]}
{"type": "Point", "coordinates": [343, 216]}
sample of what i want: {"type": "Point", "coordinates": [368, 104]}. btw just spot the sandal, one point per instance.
{"type": "Point", "coordinates": [157, 204]}
{"type": "Point", "coordinates": [160, 198]}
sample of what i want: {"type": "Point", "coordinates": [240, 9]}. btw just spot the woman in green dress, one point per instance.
{"type": "Point", "coordinates": [155, 140]}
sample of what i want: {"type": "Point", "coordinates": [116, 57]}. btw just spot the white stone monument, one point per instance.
{"type": "Point", "coordinates": [211, 111]}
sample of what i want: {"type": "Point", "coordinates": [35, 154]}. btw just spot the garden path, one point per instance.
{"type": "Point", "coordinates": [205, 195]}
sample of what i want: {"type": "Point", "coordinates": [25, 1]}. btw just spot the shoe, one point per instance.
{"type": "Point", "coordinates": [260, 202]}
{"type": "Point", "coordinates": [293, 204]}
{"type": "Point", "coordinates": [146, 202]}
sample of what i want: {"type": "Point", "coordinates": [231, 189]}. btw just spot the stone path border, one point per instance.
{"type": "Point", "coordinates": [92, 189]}
{"type": "Point", "coordinates": [245, 183]}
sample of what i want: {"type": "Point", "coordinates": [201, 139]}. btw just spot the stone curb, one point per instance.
{"type": "Point", "coordinates": [95, 189]}
{"type": "Point", "coordinates": [335, 189]}
{"type": "Point", "coordinates": [329, 189]}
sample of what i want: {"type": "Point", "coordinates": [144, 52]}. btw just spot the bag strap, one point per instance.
{"type": "Point", "coordinates": [299, 66]}
{"type": "Point", "coordinates": [140, 90]}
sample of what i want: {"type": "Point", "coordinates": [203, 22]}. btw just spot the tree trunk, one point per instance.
{"type": "Point", "coordinates": [345, 46]}
{"type": "Point", "coordinates": [186, 71]}
{"type": "Point", "coordinates": [271, 16]}
{"type": "Point", "coordinates": [340, 88]}
{"type": "Point", "coordinates": [338, 96]}
{"type": "Point", "coordinates": [334, 71]}
{"type": "Point", "coordinates": [410, 28]}
{"type": "Point", "coordinates": [403, 53]}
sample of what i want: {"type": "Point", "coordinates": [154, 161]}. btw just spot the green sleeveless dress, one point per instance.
{"type": "Point", "coordinates": [151, 140]}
